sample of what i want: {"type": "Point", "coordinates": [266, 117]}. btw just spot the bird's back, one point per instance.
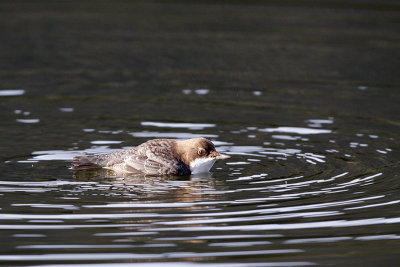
{"type": "Point", "coordinates": [152, 157]}
{"type": "Point", "coordinates": [102, 160]}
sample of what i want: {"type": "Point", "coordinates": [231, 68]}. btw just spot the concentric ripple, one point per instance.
{"type": "Point", "coordinates": [277, 201]}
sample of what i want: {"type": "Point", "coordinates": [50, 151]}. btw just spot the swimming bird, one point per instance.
{"type": "Point", "coordinates": [156, 157]}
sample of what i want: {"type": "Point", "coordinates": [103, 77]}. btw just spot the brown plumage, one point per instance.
{"type": "Point", "coordinates": [156, 157]}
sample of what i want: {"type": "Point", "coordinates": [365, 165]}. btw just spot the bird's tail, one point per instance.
{"type": "Point", "coordinates": [84, 163]}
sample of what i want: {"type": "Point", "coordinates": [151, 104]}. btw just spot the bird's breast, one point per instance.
{"type": "Point", "coordinates": [201, 165]}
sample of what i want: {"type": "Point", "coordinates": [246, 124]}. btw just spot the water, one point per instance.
{"type": "Point", "coordinates": [307, 108]}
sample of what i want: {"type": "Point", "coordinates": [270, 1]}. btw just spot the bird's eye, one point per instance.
{"type": "Point", "coordinates": [201, 151]}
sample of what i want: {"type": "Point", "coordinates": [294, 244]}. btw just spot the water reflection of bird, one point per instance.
{"type": "Point", "coordinates": [156, 157]}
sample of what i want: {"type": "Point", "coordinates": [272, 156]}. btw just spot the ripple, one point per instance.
{"type": "Point", "coordinates": [29, 235]}
{"type": "Point", "coordinates": [292, 226]}
{"type": "Point", "coordinates": [48, 206]}
{"type": "Point", "coordinates": [69, 154]}
{"type": "Point", "coordinates": [63, 226]}
{"type": "Point", "coordinates": [279, 184]}
{"type": "Point", "coordinates": [88, 246]}
{"type": "Point", "coordinates": [28, 121]}
{"type": "Point", "coordinates": [239, 244]}
{"type": "Point", "coordinates": [12, 92]}
{"type": "Point", "coordinates": [105, 142]}
{"type": "Point", "coordinates": [126, 234]}
{"type": "Point", "coordinates": [171, 135]}
{"type": "Point", "coordinates": [179, 264]}
{"type": "Point", "coordinates": [90, 216]}
{"type": "Point", "coordinates": [318, 240]}
{"type": "Point", "coordinates": [378, 237]}
{"type": "Point", "coordinates": [289, 137]}
{"type": "Point", "coordinates": [202, 91]}
{"type": "Point", "coordinates": [190, 126]}
{"type": "Point", "coordinates": [238, 163]}
{"type": "Point", "coordinates": [119, 256]}
{"type": "Point", "coordinates": [66, 109]}
{"type": "Point", "coordinates": [296, 130]}
{"type": "Point", "coordinates": [196, 91]}
{"type": "Point", "coordinates": [45, 183]}
{"type": "Point", "coordinates": [154, 205]}
{"type": "Point", "coordinates": [319, 122]}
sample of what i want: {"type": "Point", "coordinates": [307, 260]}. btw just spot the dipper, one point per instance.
{"type": "Point", "coordinates": [156, 157]}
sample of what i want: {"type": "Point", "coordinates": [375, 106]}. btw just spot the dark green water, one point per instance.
{"type": "Point", "coordinates": [304, 95]}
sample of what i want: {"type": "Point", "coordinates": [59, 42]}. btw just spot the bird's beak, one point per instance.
{"type": "Point", "coordinates": [217, 155]}
{"type": "Point", "coordinates": [222, 156]}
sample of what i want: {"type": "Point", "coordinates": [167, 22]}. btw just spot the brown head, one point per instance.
{"type": "Point", "coordinates": [198, 150]}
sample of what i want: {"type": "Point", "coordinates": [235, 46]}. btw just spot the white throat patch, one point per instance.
{"type": "Point", "coordinates": [201, 165]}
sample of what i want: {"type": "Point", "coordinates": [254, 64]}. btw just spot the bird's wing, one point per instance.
{"type": "Point", "coordinates": [101, 160]}
{"type": "Point", "coordinates": [142, 164]}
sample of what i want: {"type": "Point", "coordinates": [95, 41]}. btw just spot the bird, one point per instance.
{"type": "Point", "coordinates": [156, 157]}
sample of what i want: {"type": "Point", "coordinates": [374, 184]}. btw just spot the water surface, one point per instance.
{"type": "Point", "coordinates": [304, 97]}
